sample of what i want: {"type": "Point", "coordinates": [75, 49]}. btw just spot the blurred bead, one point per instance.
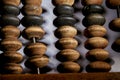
{"type": "Point", "coordinates": [68, 55]}
{"type": "Point", "coordinates": [97, 55]}
{"type": "Point", "coordinates": [33, 49]}
{"type": "Point", "coordinates": [63, 10]}
{"type": "Point", "coordinates": [95, 31]}
{"type": "Point", "coordinates": [98, 66]}
{"type": "Point", "coordinates": [96, 42]}
{"type": "Point", "coordinates": [64, 20]}
{"type": "Point", "coordinates": [112, 3]}
{"type": "Point", "coordinates": [12, 2]}
{"type": "Point", "coordinates": [91, 2]}
{"type": "Point", "coordinates": [32, 2]}
{"type": "Point", "coordinates": [94, 19]}
{"type": "Point", "coordinates": [33, 32]}
{"type": "Point", "coordinates": [68, 67]}
{"type": "Point", "coordinates": [115, 25]}
{"type": "Point", "coordinates": [91, 9]}
{"type": "Point", "coordinates": [66, 43]}
{"type": "Point", "coordinates": [66, 32]}
{"type": "Point", "coordinates": [31, 20]}
{"type": "Point", "coordinates": [116, 45]}
{"type": "Point", "coordinates": [31, 10]}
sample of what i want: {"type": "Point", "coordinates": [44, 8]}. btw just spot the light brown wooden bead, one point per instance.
{"type": "Point", "coordinates": [32, 10]}
{"type": "Point", "coordinates": [97, 55]}
{"type": "Point", "coordinates": [37, 62]}
{"type": "Point", "coordinates": [95, 31]}
{"type": "Point", "coordinates": [67, 43]}
{"type": "Point", "coordinates": [98, 66]}
{"type": "Point", "coordinates": [11, 57]}
{"type": "Point", "coordinates": [61, 2]}
{"type": "Point", "coordinates": [12, 2]}
{"type": "Point", "coordinates": [66, 32]}
{"type": "Point", "coordinates": [68, 67]}
{"type": "Point", "coordinates": [68, 55]}
{"type": "Point", "coordinates": [113, 3]}
{"type": "Point", "coordinates": [12, 68]}
{"type": "Point", "coordinates": [90, 2]}
{"type": "Point", "coordinates": [33, 32]}
{"type": "Point", "coordinates": [32, 2]}
{"type": "Point", "coordinates": [96, 42]}
{"type": "Point", "coordinates": [35, 49]}
{"type": "Point", "coordinates": [10, 31]}
{"type": "Point", "coordinates": [10, 44]}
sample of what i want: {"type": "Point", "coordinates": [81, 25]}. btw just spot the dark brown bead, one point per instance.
{"type": "Point", "coordinates": [91, 2]}
{"type": "Point", "coordinates": [32, 2]}
{"type": "Point", "coordinates": [116, 45]}
{"type": "Point", "coordinates": [12, 2]}
{"type": "Point", "coordinates": [112, 3]}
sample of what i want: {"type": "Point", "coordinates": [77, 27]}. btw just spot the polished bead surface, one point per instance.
{"type": "Point", "coordinates": [116, 45]}
{"type": "Point", "coordinates": [63, 10]}
{"type": "Point", "coordinates": [31, 20]}
{"type": "Point", "coordinates": [112, 3]}
{"type": "Point", "coordinates": [91, 9]}
{"type": "Point", "coordinates": [68, 67]}
{"type": "Point", "coordinates": [32, 2]}
{"type": "Point", "coordinates": [91, 2]}
{"type": "Point", "coordinates": [64, 20]}
{"type": "Point", "coordinates": [12, 2]}
{"type": "Point", "coordinates": [93, 19]}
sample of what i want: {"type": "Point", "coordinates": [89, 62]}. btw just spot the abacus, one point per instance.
{"type": "Point", "coordinates": [24, 43]}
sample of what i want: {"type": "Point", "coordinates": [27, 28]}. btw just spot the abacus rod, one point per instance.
{"type": "Point", "coordinates": [118, 11]}
{"type": "Point", "coordinates": [34, 40]}
{"type": "Point", "coordinates": [38, 70]}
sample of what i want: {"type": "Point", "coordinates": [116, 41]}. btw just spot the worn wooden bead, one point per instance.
{"type": "Point", "coordinates": [32, 2]}
{"type": "Point", "coordinates": [68, 55]}
{"type": "Point", "coordinates": [66, 32]}
{"type": "Point", "coordinates": [66, 43]}
{"type": "Point", "coordinates": [95, 31]}
{"type": "Point", "coordinates": [37, 62]}
{"type": "Point", "coordinates": [98, 66]}
{"type": "Point", "coordinates": [64, 20]}
{"type": "Point", "coordinates": [32, 20]}
{"type": "Point", "coordinates": [11, 2]}
{"type": "Point", "coordinates": [93, 19]}
{"type": "Point", "coordinates": [9, 31]}
{"type": "Point", "coordinates": [91, 2]}
{"type": "Point", "coordinates": [6, 20]}
{"type": "Point", "coordinates": [10, 10]}
{"type": "Point", "coordinates": [35, 49]}
{"type": "Point", "coordinates": [31, 10]}
{"type": "Point", "coordinates": [33, 32]}
{"type": "Point", "coordinates": [68, 67]}
{"type": "Point", "coordinates": [11, 57]}
{"type": "Point", "coordinates": [63, 10]}
{"type": "Point", "coordinates": [116, 45]}
{"type": "Point", "coordinates": [113, 3]}
{"type": "Point", "coordinates": [97, 55]}
{"type": "Point", "coordinates": [96, 42]}
{"type": "Point", "coordinates": [10, 44]}
{"type": "Point", "coordinates": [61, 2]}
{"type": "Point", "coordinates": [12, 68]}
{"type": "Point", "coordinates": [115, 25]}
{"type": "Point", "coordinates": [91, 9]}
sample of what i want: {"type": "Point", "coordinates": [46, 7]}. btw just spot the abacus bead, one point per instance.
{"type": "Point", "coordinates": [10, 44]}
{"type": "Point", "coordinates": [91, 9]}
{"type": "Point", "coordinates": [98, 66]}
{"type": "Point", "coordinates": [32, 20]}
{"type": "Point", "coordinates": [94, 19]}
{"type": "Point", "coordinates": [97, 55]}
{"type": "Point", "coordinates": [12, 57]}
{"type": "Point", "coordinates": [96, 42]}
{"type": "Point", "coordinates": [35, 49]}
{"type": "Point", "coordinates": [91, 2]}
{"type": "Point", "coordinates": [61, 2]}
{"type": "Point", "coordinates": [9, 31]}
{"type": "Point", "coordinates": [12, 68]}
{"type": "Point", "coordinates": [33, 32]}
{"type": "Point", "coordinates": [31, 10]}
{"type": "Point", "coordinates": [66, 43]}
{"type": "Point", "coordinates": [66, 32]}
{"type": "Point", "coordinates": [63, 10]}
{"type": "Point", "coordinates": [10, 10]}
{"type": "Point", "coordinates": [112, 3]}
{"type": "Point", "coordinates": [9, 20]}
{"type": "Point", "coordinates": [37, 62]}
{"type": "Point", "coordinates": [11, 2]}
{"type": "Point", "coordinates": [115, 25]}
{"type": "Point", "coordinates": [68, 67]}
{"type": "Point", "coordinates": [116, 45]}
{"type": "Point", "coordinates": [95, 31]}
{"type": "Point", "coordinates": [32, 2]}
{"type": "Point", "coordinates": [64, 20]}
{"type": "Point", "coordinates": [68, 55]}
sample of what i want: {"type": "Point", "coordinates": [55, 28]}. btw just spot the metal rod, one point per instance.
{"type": "Point", "coordinates": [34, 40]}
{"type": "Point", "coordinates": [118, 11]}
{"type": "Point", "coordinates": [38, 70]}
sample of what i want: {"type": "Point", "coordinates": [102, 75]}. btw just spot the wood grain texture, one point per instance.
{"type": "Point", "coordinates": [75, 76]}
